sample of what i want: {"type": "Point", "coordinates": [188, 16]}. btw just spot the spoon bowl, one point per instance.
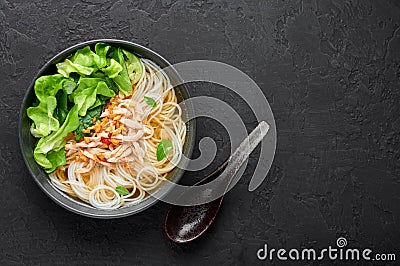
{"type": "Point", "coordinates": [184, 224]}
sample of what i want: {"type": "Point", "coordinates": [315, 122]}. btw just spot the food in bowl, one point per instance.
{"type": "Point", "coordinates": [108, 126]}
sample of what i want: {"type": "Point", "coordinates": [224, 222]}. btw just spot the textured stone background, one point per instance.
{"type": "Point", "coordinates": [331, 72]}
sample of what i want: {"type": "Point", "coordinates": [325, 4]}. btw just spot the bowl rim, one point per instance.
{"type": "Point", "coordinates": [66, 201]}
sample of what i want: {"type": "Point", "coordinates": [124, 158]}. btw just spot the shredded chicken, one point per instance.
{"type": "Point", "coordinates": [114, 138]}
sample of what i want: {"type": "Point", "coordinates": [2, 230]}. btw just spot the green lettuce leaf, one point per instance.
{"type": "Point", "coordinates": [42, 116]}
{"type": "Point", "coordinates": [103, 89]}
{"type": "Point", "coordinates": [111, 84]}
{"type": "Point", "coordinates": [62, 106]}
{"type": "Point", "coordinates": [56, 140]}
{"type": "Point", "coordinates": [66, 67]}
{"type": "Point", "coordinates": [134, 67]}
{"type": "Point", "coordinates": [56, 158]}
{"type": "Point", "coordinates": [69, 86]}
{"type": "Point", "coordinates": [48, 86]}
{"type": "Point", "coordinates": [51, 102]}
{"type": "Point", "coordinates": [101, 50]}
{"type": "Point", "coordinates": [122, 80]}
{"type": "Point", "coordinates": [85, 95]}
{"type": "Point", "coordinates": [84, 61]}
{"type": "Point", "coordinates": [45, 108]}
{"type": "Point", "coordinates": [99, 102]}
{"type": "Point", "coordinates": [86, 57]}
{"type": "Point", "coordinates": [85, 99]}
{"type": "Point", "coordinates": [113, 68]}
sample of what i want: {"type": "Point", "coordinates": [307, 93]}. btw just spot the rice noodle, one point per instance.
{"type": "Point", "coordinates": [95, 168]}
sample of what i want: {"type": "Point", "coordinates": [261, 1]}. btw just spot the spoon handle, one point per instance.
{"type": "Point", "coordinates": [241, 154]}
{"type": "Point", "coordinates": [224, 175]}
{"type": "Point", "coordinates": [249, 144]}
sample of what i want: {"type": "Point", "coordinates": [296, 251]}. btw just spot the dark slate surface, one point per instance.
{"type": "Point", "coordinates": [331, 72]}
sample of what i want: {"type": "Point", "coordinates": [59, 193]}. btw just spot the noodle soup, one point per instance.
{"type": "Point", "coordinates": [113, 129]}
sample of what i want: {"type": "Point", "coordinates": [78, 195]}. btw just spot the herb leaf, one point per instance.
{"type": "Point", "coordinates": [163, 148]}
{"type": "Point", "coordinates": [150, 101]}
{"type": "Point", "coordinates": [122, 191]}
{"type": "Point", "coordinates": [87, 121]}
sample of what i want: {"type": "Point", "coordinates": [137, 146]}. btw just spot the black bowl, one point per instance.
{"type": "Point", "coordinates": [27, 141]}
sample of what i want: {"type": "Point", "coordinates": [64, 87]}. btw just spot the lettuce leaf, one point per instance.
{"type": "Point", "coordinates": [102, 89]}
{"type": "Point", "coordinates": [85, 95]}
{"type": "Point", "coordinates": [55, 141]}
{"type": "Point", "coordinates": [113, 68]}
{"type": "Point", "coordinates": [69, 86]}
{"type": "Point", "coordinates": [66, 67]}
{"type": "Point", "coordinates": [110, 83]}
{"type": "Point", "coordinates": [86, 57]}
{"type": "Point", "coordinates": [122, 80]}
{"type": "Point", "coordinates": [42, 116]}
{"type": "Point", "coordinates": [134, 67]}
{"type": "Point", "coordinates": [101, 50]}
{"type": "Point", "coordinates": [46, 87]}
{"type": "Point", "coordinates": [62, 106]}
{"type": "Point", "coordinates": [85, 99]}
{"type": "Point", "coordinates": [57, 158]}
{"type": "Point", "coordinates": [83, 62]}
{"type": "Point", "coordinates": [99, 102]}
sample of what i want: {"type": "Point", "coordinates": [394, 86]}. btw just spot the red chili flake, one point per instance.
{"type": "Point", "coordinates": [109, 135]}
{"type": "Point", "coordinates": [105, 141]}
